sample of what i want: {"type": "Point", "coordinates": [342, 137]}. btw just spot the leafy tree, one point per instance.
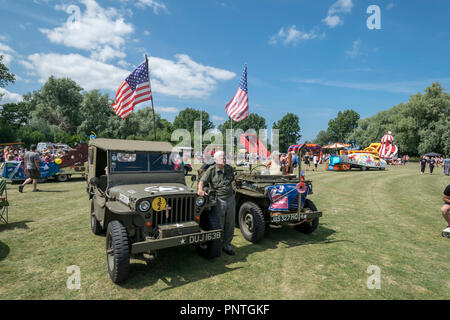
{"type": "Point", "coordinates": [186, 118]}
{"type": "Point", "coordinates": [95, 111]}
{"type": "Point", "coordinates": [16, 114]}
{"type": "Point", "coordinates": [323, 138]}
{"type": "Point", "coordinates": [253, 121]}
{"type": "Point", "coordinates": [289, 129]}
{"type": "Point", "coordinates": [58, 103]}
{"type": "Point", "coordinates": [419, 126]}
{"type": "Point", "coordinates": [7, 132]}
{"type": "Point", "coordinates": [341, 127]}
{"type": "Point", "coordinates": [5, 76]}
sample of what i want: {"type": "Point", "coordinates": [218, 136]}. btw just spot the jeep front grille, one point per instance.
{"type": "Point", "coordinates": [179, 209]}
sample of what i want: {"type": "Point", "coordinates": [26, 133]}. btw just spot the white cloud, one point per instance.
{"type": "Point", "coordinates": [217, 118]}
{"type": "Point", "coordinates": [182, 77]}
{"type": "Point", "coordinates": [88, 73]}
{"type": "Point", "coordinates": [157, 6]}
{"type": "Point", "coordinates": [100, 31]}
{"type": "Point", "coordinates": [6, 52]}
{"type": "Point", "coordinates": [292, 36]}
{"type": "Point", "coordinates": [404, 87]}
{"type": "Point", "coordinates": [107, 53]}
{"type": "Point", "coordinates": [354, 51]}
{"type": "Point", "coordinates": [8, 97]}
{"type": "Point", "coordinates": [332, 21]}
{"type": "Point", "coordinates": [167, 109]}
{"type": "Point", "coordinates": [340, 6]}
{"type": "Point", "coordinates": [390, 5]}
{"type": "Point", "coordinates": [146, 32]}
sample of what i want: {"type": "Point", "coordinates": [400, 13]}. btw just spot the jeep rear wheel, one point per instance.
{"type": "Point", "coordinates": [62, 177]}
{"type": "Point", "coordinates": [251, 222]}
{"type": "Point", "coordinates": [117, 251]}
{"type": "Point", "coordinates": [96, 227]}
{"type": "Point", "coordinates": [309, 226]}
{"type": "Point", "coordinates": [211, 249]}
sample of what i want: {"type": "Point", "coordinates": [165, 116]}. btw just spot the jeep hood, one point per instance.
{"type": "Point", "coordinates": [139, 191]}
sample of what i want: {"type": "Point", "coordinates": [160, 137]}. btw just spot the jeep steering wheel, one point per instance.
{"type": "Point", "coordinates": [259, 165]}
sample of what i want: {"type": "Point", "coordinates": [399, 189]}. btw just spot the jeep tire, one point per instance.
{"type": "Point", "coordinates": [251, 222]}
{"type": "Point", "coordinates": [62, 177]}
{"type": "Point", "coordinates": [117, 251]}
{"type": "Point", "coordinates": [308, 227]}
{"type": "Point", "coordinates": [211, 249]}
{"type": "Point", "coordinates": [96, 227]}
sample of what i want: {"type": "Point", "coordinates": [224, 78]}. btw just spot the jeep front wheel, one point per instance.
{"type": "Point", "coordinates": [308, 226]}
{"type": "Point", "coordinates": [251, 222]}
{"type": "Point", "coordinates": [211, 249]}
{"type": "Point", "coordinates": [117, 251]}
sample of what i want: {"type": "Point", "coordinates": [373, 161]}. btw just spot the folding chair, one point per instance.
{"type": "Point", "coordinates": [4, 204]}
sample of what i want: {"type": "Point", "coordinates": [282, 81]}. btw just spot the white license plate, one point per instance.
{"type": "Point", "coordinates": [204, 237]}
{"type": "Point", "coordinates": [285, 217]}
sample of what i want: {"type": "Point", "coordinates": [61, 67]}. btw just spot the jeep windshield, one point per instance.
{"type": "Point", "coordinates": [145, 162]}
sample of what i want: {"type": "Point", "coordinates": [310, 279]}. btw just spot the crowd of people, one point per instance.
{"type": "Point", "coordinates": [432, 162]}
{"type": "Point", "coordinates": [14, 153]}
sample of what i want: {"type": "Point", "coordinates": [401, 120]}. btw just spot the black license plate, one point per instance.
{"type": "Point", "coordinates": [204, 237]}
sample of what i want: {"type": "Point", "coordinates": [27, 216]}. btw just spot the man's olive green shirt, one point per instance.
{"type": "Point", "coordinates": [219, 180]}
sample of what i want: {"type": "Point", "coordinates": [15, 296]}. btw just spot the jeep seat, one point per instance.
{"type": "Point", "coordinates": [103, 182]}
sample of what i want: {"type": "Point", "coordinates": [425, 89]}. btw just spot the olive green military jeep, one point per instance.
{"type": "Point", "coordinates": [264, 200]}
{"type": "Point", "coordinates": [140, 198]}
{"type": "Point", "coordinates": [270, 201]}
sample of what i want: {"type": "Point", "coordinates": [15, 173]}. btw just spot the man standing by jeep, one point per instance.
{"type": "Point", "coordinates": [220, 177]}
{"type": "Point", "coordinates": [32, 160]}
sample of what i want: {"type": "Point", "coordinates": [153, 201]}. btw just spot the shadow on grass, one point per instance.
{"type": "Point", "coordinates": [4, 251]}
{"type": "Point", "coordinates": [15, 225]}
{"type": "Point", "coordinates": [292, 238]}
{"type": "Point", "coordinates": [182, 265]}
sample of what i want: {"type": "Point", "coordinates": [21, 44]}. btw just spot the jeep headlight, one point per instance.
{"type": "Point", "coordinates": [144, 206]}
{"type": "Point", "coordinates": [200, 201]}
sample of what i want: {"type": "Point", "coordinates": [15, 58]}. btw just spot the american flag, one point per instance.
{"type": "Point", "coordinates": [133, 90]}
{"type": "Point", "coordinates": [237, 108]}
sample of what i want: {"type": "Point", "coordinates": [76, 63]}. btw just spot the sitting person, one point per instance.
{"type": "Point", "coordinates": [446, 208]}
{"type": "Point", "coordinates": [273, 164]}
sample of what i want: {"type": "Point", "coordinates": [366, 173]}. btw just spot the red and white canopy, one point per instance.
{"type": "Point", "coordinates": [388, 149]}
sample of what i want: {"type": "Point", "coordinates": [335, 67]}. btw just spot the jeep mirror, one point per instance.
{"type": "Point", "coordinates": [193, 178]}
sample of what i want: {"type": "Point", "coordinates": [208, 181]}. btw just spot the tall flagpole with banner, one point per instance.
{"type": "Point", "coordinates": [153, 108]}
{"type": "Point", "coordinates": [237, 108]}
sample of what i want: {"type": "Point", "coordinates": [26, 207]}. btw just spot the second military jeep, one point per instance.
{"type": "Point", "coordinates": [264, 200]}
{"type": "Point", "coordinates": [139, 197]}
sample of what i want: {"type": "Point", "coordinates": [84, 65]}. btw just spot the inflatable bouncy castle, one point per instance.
{"type": "Point", "coordinates": [388, 150]}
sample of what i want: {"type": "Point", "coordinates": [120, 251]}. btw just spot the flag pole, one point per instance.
{"type": "Point", "coordinates": [153, 108]}
{"type": "Point", "coordinates": [232, 138]}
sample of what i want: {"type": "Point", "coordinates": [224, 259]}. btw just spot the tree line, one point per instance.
{"type": "Point", "coordinates": [60, 111]}
{"type": "Point", "coordinates": [419, 126]}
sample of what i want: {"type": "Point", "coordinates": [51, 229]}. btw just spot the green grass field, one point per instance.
{"type": "Point", "coordinates": [390, 219]}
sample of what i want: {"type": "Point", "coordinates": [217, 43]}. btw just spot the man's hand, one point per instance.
{"type": "Point", "coordinates": [200, 190]}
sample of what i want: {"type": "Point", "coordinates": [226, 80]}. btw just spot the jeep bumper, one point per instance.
{"type": "Point", "coordinates": [187, 239]}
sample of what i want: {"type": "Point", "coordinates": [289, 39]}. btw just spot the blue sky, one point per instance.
{"type": "Point", "coordinates": [312, 58]}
